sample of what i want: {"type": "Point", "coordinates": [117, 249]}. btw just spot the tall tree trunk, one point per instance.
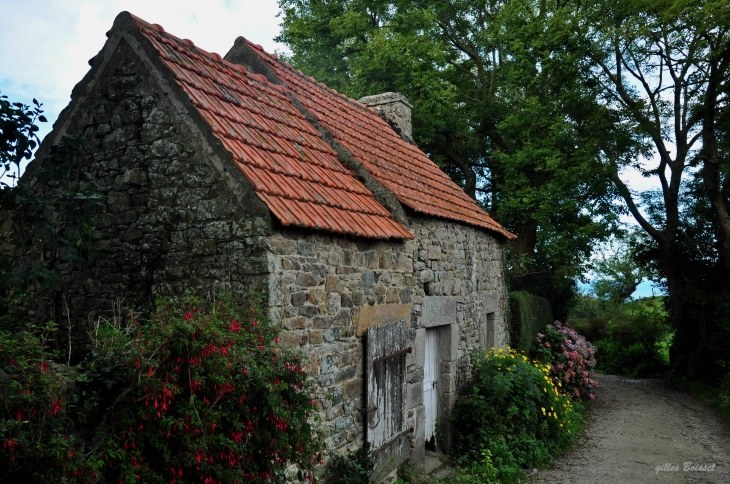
{"type": "Point", "coordinates": [522, 249]}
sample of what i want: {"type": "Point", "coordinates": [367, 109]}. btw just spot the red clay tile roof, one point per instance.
{"type": "Point", "coordinates": [399, 166]}
{"type": "Point", "coordinates": [292, 169]}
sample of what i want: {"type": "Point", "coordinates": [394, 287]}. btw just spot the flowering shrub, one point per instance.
{"type": "Point", "coordinates": [34, 407]}
{"type": "Point", "coordinates": [213, 399]}
{"type": "Point", "coordinates": [511, 407]}
{"type": "Point", "coordinates": [571, 359]}
{"type": "Point", "coordinates": [198, 394]}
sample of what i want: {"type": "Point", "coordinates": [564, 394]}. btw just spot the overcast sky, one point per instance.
{"type": "Point", "coordinates": [45, 45]}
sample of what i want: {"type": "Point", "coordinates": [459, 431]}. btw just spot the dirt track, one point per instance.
{"type": "Point", "coordinates": [640, 431]}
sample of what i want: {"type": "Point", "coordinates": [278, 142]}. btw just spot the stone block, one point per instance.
{"type": "Point", "coordinates": [331, 335]}
{"type": "Point", "coordinates": [281, 246]}
{"type": "Point", "coordinates": [392, 295]}
{"type": "Point", "coordinates": [309, 310]}
{"type": "Point", "coordinates": [204, 247]}
{"type": "Point", "coordinates": [418, 357]}
{"type": "Point", "coordinates": [414, 396]}
{"type": "Point", "coordinates": [299, 298]}
{"type": "Point", "coordinates": [299, 322]}
{"type": "Point", "coordinates": [368, 279]}
{"type": "Point", "coordinates": [434, 252]}
{"type": "Point", "coordinates": [353, 388]}
{"type": "Point", "coordinates": [437, 311]}
{"type": "Point", "coordinates": [327, 364]}
{"type": "Point", "coordinates": [373, 316]}
{"type": "Point", "coordinates": [315, 337]}
{"type": "Point", "coordinates": [333, 283]}
{"type": "Point", "coordinates": [290, 339]}
{"type": "Point", "coordinates": [333, 303]}
{"type": "Point", "coordinates": [447, 382]}
{"type": "Point", "coordinates": [345, 374]}
{"type": "Point", "coordinates": [306, 279]}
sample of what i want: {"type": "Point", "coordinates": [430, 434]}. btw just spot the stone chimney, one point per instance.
{"type": "Point", "coordinates": [395, 109]}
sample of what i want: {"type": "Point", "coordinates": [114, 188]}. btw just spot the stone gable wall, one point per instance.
{"type": "Point", "coordinates": [171, 225]}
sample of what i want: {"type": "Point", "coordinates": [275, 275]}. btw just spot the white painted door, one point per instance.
{"type": "Point", "coordinates": [430, 382]}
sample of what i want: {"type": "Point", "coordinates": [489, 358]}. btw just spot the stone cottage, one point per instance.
{"type": "Point", "coordinates": [243, 173]}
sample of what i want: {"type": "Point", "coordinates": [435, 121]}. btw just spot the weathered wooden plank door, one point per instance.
{"type": "Point", "coordinates": [430, 382]}
{"type": "Point", "coordinates": [386, 389]}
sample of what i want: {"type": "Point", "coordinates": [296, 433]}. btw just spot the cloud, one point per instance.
{"type": "Point", "coordinates": [45, 45]}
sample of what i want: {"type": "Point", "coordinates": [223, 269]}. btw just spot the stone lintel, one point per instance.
{"type": "Point", "coordinates": [437, 311]}
{"type": "Point", "coordinates": [374, 316]}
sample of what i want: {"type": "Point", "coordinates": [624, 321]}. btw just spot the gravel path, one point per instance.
{"type": "Point", "coordinates": [641, 431]}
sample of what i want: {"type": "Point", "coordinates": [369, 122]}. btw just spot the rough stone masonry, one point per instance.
{"type": "Point", "coordinates": [180, 219]}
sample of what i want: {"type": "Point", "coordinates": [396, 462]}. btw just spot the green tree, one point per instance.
{"type": "Point", "coordinates": [498, 104]}
{"type": "Point", "coordinates": [664, 69]}
{"type": "Point", "coordinates": [46, 218]}
{"type": "Point", "coordinates": [618, 271]}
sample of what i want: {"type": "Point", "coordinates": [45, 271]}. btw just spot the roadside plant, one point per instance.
{"type": "Point", "coordinates": [511, 408]}
{"type": "Point", "coordinates": [212, 398]}
{"type": "Point", "coordinates": [355, 468]}
{"type": "Point", "coordinates": [571, 360]}
{"type": "Point", "coordinates": [36, 433]}
{"type": "Point", "coordinates": [47, 219]}
{"type": "Point", "coordinates": [198, 392]}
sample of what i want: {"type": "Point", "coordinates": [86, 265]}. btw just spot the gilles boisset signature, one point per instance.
{"type": "Point", "coordinates": [686, 467]}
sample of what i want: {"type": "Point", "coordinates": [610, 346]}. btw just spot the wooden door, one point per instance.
{"type": "Point", "coordinates": [386, 389]}
{"type": "Point", "coordinates": [430, 386]}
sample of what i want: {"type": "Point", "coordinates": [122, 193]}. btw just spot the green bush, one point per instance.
{"type": "Point", "coordinates": [528, 315]}
{"type": "Point", "coordinates": [198, 393]}
{"type": "Point", "coordinates": [632, 339]}
{"type": "Point", "coordinates": [512, 408]}
{"type": "Point", "coordinates": [355, 468]}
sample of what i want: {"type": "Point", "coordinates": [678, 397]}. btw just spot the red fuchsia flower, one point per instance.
{"type": "Point", "coordinates": [11, 445]}
{"type": "Point", "coordinates": [56, 406]}
{"type": "Point", "coordinates": [235, 326]}
{"type": "Point", "coordinates": [254, 323]}
{"type": "Point", "coordinates": [188, 316]}
{"type": "Point", "coordinates": [43, 366]}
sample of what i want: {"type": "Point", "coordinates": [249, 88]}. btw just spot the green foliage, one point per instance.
{"type": "Point", "coordinates": [512, 408]}
{"type": "Point", "coordinates": [632, 338]}
{"type": "Point", "coordinates": [497, 104]}
{"type": "Point", "coordinates": [36, 430]}
{"type": "Point", "coordinates": [49, 217]}
{"type": "Point", "coordinates": [528, 315]}
{"type": "Point", "coordinates": [18, 137]}
{"type": "Point", "coordinates": [618, 271]}
{"type": "Point", "coordinates": [197, 393]}
{"type": "Point", "coordinates": [355, 468]}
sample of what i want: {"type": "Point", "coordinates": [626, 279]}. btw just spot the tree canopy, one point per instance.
{"type": "Point", "coordinates": [538, 108]}
{"type": "Point", "coordinates": [499, 103]}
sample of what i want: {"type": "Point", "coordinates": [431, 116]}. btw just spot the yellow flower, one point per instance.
{"type": "Point", "coordinates": [561, 425]}
{"type": "Point", "coordinates": [543, 410]}
{"type": "Point", "coordinates": [555, 415]}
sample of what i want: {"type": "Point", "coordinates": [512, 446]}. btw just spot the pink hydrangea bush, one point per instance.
{"type": "Point", "coordinates": [571, 358]}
